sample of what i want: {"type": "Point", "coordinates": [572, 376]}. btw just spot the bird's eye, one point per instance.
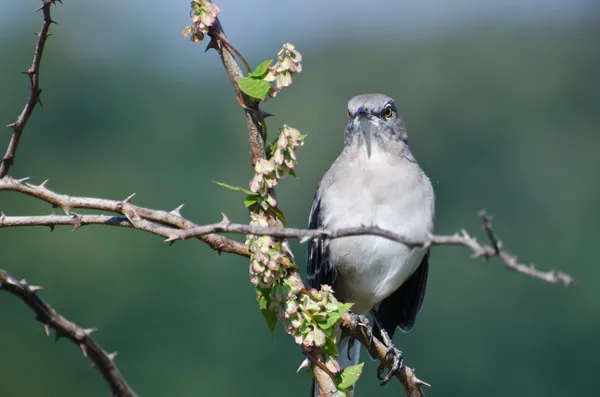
{"type": "Point", "coordinates": [349, 115]}
{"type": "Point", "coordinates": [388, 112]}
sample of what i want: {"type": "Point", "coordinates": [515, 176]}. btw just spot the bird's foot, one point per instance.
{"type": "Point", "coordinates": [363, 322]}
{"type": "Point", "coordinates": [393, 355]}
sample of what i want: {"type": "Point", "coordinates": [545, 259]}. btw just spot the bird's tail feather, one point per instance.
{"type": "Point", "coordinates": [349, 354]}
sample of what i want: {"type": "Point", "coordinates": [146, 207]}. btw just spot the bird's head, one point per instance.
{"type": "Point", "coordinates": [373, 119]}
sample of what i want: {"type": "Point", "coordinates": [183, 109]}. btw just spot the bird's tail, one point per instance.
{"type": "Point", "coordinates": [349, 354]}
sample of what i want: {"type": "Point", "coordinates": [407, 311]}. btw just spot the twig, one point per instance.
{"type": "Point", "coordinates": [34, 92]}
{"type": "Point", "coordinates": [65, 329]}
{"type": "Point", "coordinates": [142, 218]}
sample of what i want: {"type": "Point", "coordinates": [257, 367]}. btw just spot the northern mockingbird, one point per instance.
{"type": "Point", "coordinates": [374, 181]}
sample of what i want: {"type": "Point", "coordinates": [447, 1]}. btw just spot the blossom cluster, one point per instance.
{"type": "Point", "coordinates": [288, 62]}
{"type": "Point", "coordinates": [204, 14]}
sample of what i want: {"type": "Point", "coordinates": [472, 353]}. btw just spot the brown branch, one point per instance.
{"type": "Point", "coordinates": [34, 92]}
{"type": "Point", "coordinates": [463, 238]}
{"type": "Point", "coordinates": [255, 132]}
{"type": "Point", "coordinates": [66, 329]}
{"type": "Point", "coordinates": [482, 251]}
{"type": "Point", "coordinates": [377, 349]}
{"type": "Point", "coordinates": [150, 220]}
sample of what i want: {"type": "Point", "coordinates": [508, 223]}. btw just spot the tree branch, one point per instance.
{"type": "Point", "coordinates": [142, 218]}
{"type": "Point", "coordinates": [66, 329]}
{"type": "Point", "coordinates": [463, 238]}
{"type": "Point", "coordinates": [412, 385]}
{"type": "Point", "coordinates": [34, 92]}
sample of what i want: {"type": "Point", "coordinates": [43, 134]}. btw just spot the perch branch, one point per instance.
{"type": "Point", "coordinates": [65, 329]}
{"type": "Point", "coordinates": [377, 349]}
{"type": "Point", "coordinates": [179, 228]}
{"type": "Point", "coordinates": [34, 91]}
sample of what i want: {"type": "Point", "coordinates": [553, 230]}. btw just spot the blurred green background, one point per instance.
{"type": "Point", "coordinates": [502, 108]}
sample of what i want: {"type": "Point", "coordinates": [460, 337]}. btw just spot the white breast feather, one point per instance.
{"type": "Point", "coordinates": [374, 267]}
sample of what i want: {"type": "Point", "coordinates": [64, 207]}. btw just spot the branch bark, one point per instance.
{"type": "Point", "coordinates": [150, 220]}
{"type": "Point", "coordinates": [34, 92]}
{"type": "Point", "coordinates": [180, 228]}
{"type": "Point", "coordinates": [65, 329]}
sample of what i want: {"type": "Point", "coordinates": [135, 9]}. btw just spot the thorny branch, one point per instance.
{"type": "Point", "coordinates": [173, 227]}
{"type": "Point", "coordinates": [412, 385]}
{"type": "Point", "coordinates": [65, 329]}
{"type": "Point", "coordinates": [34, 93]}
{"type": "Point", "coordinates": [157, 222]}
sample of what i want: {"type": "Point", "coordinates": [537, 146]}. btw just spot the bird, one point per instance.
{"type": "Point", "coordinates": [374, 181]}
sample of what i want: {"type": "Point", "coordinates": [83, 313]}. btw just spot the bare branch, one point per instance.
{"type": "Point", "coordinates": [463, 238]}
{"type": "Point", "coordinates": [150, 220]}
{"type": "Point", "coordinates": [34, 92]}
{"type": "Point", "coordinates": [65, 329]}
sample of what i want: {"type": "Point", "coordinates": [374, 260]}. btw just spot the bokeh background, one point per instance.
{"type": "Point", "coordinates": [502, 104]}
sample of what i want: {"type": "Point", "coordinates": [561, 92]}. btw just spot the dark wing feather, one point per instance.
{"type": "Point", "coordinates": [319, 270]}
{"type": "Point", "coordinates": [400, 309]}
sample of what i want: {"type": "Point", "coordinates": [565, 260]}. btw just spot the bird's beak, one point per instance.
{"type": "Point", "coordinates": [364, 119]}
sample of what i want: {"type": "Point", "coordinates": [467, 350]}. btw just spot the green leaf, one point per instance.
{"type": "Point", "coordinates": [263, 296]}
{"type": "Point", "coordinates": [279, 214]}
{"type": "Point", "coordinates": [251, 199]}
{"type": "Point", "coordinates": [331, 319]}
{"type": "Point", "coordinates": [330, 347]}
{"type": "Point", "coordinates": [344, 307]}
{"type": "Point", "coordinates": [261, 70]}
{"type": "Point", "coordinates": [236, 188]}
{"type": "Point", "coordinates": [349, 376]}
{"type": "Point", "coordinates": [254, 87]}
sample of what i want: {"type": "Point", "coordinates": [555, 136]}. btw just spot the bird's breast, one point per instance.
{"type": "Point", "coordinates": [392, 194]}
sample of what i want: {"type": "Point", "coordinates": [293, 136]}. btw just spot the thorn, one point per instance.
{"type": "Point", "coordinates": [264, 114]}
{"type": "Point", "coordinates": [47, 329]}
{"type": "Point", "coordinates": [52, 21]}
{"type": "Point", "coordinates": [303, 365]}
{"type": "Point", "coordinates": [305, 239]}
{"type": "Point", "coordinates": [171, 239]}
{"type": "Point", "coordinates": [83, 349]}
{"type": "Point", "coordinates": [67, 210]}
{"type": "Point", "coordinates": [77, 223]}
{"type": "Point", "coordinates": [34, 289]}
{"type": "Point", "coordinates": [43, 184]}
{"type": "Point", "coordinates": [177, 211]}
{"type": "Point", "coordinates": [212, 44]}
{"type": "Point", "coordinates": [89, 331]}
{"type": "Point", "coordinates": [112, 355]}
{"type": "Point", "coordinates": [11, 125]}
{"type": "Point", "coordinates": [2, 217]}
{"type": "Point", "coordinates": [58, 334]}
{"type": "Point", "coordinates": [20, 181]}
{"type": "Point", "coordinates": [128, 199]}
{"type": "Point", "coordinates": [225, 221]}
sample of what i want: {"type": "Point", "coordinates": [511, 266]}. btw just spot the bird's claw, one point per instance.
{"type": "Point", "coordinates": [363, 322]}
{"type": "Point", "coordinates": [394, 355]}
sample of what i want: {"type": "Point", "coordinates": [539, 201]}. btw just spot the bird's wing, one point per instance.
{"type": "Point", "coordinates": [319, 269]}
{"type": "Point", "coordinates": [400, 308]}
